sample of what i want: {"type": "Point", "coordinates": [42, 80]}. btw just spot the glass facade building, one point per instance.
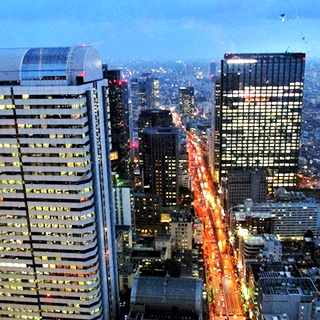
{"type": "Point", "coordinates": [258, 117]}
{"type": "Point", "coordinates": [145, 92]}
{"type": "Point", "coordinates": [57, 243]}
{"type": "Point", "coordinates": [120, 128]}
{"type": "Point", "coordinates": [186, 102]}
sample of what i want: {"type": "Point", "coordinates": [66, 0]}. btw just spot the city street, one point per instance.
{"type": "Point", "coordinates": [221, 284]}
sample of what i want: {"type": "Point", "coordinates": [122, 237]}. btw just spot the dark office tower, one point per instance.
{"type": "Point", "coordinates": [160, 162]}
{"type": "Point", "coordinates": [119, 118]}
{"type": "Point", "coordinates": [135, 102]}
{"type": "Point", "coordinates": [153, 95]}
{"type": "Point", "coordinates": [260, 115]}
{"type": "Point", "coordinates": [147, 214]}
{"type": "Point", "coordinates": [186, 102]}
{"type": "Point", "coordinates": [214, 147]}
{"type": "Point", "coordinates": [153, 118]}
{"type": "Point", "coordinates": [149, 92]}
{"type": "Point", "coordinates": [145, 95]}
{"type": "Point", "coordinates": [57, 243]}
{"type": "Point", "coordinates": [213, 69]}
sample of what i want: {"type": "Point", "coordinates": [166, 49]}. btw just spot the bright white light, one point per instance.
{"type": "Point", "coordinates": [238, 61]}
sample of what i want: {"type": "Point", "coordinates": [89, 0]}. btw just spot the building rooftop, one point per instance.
{"type": "Point", "coordinates": [271, 237]}
{"type": "Point", "coordinates": [235, 56]}
{"type": "Point", "coordinates": [283, 316]}
{"type": "Point", "coordinates": [154, 111]}
{"type": "Point", "coordinates": [53, 66]}
{"type": "Point", "coordinates": [273, 270]}
{"type": "Point", "coordinates": [163, 237]}
{"type": "Point", "coordinates": [181, 217]}
{"type": "Point", "coordinates": [284, 286]}
{"type": "Point", "coordinates": [253, 240]}
{"type": "Point", "coordinates": [159, 316]}
{"type": "Point", "coordinates": [142, 254]}
{"type": "Point", "coordinates": [162, 293]}
{"type": "Point", "coordinates": [161, 130]}
{"type": "Point", "coordinates": [283, 195]}
{"type": "Point", "coordinates": [126, 269]}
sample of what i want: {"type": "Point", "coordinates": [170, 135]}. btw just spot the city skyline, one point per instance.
{"type": "Point", "coordinates": [163, 30]}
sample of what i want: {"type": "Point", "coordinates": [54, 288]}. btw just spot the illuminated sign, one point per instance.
{"type": "Point", "coordinates": [238, 61]}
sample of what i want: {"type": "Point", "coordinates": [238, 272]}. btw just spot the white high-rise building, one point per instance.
{"type": "Point", "coordinates": [57, 236]}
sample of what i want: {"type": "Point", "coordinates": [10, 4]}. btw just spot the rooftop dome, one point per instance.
{"type": "Point", "coordinates": [60, 65]}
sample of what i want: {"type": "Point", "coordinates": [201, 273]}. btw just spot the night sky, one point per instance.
{"type": "Point", "coordinates": [161, 30]}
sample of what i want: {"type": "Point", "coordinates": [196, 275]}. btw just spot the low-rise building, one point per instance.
{"type": "Point", "coordinates": [181, 228]}
{"type": "Point", "coordinates": [166, 296]}
{"type": "Point", "coordinates": [289, 215]}
{"type": "Point", "coordinates": [163, 240]}
{"type": "Point", "coordinates": [294, 296]}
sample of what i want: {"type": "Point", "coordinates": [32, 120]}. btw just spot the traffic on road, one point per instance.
{"type": "Point", "coordinates": [222, 283]}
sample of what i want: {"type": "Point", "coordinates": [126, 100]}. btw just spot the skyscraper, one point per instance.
{"type": "Point", "coordinates": [152, 92]}
{"type": "Point", "coordinates": [145, 92]}
{"type": "Point", "coordinates": [57, 244]}
{"type": "Point", "coordinates": [145, 95]}
{"type": "Point", "coordinates": [259, 116]}
{"type": "Point", "coordinates": [120, 128]}
{"type": "Point", "coordinates": [212, 69]}
{"type": "Point", "coordinates": [152, 118]}
{"type": "Point", "coordinates": [135, 105]}
{"type": "Point", "coordinates": [186, 102]}
{"type": "Point", "coordinates": [160, 162]}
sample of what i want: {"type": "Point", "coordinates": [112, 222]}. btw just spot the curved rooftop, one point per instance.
{"type": "Point", "coordinates": [166, 292]}
{"type": "Point", "coordinates": [60, 65]}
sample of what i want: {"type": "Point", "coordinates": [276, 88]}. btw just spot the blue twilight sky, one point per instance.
{"type": "Point", "coordinates": [161, 30]}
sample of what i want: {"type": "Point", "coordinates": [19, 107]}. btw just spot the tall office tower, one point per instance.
{"type": "Point", "coordinates": [153, 93]}
{"type": "Point", "coordinates": [145, 95]}
{"type": "Point", "coordinates": [213, 69]}
{"type": "Point", "coordinates": [119, 117]}
{"type": "Point", "coordinates": [259, 118]}
{"type": "Point", "coordinates": [57, 244]}
{"type": "Point", "coordinates": [135, 104]}
{"type": "Point", "coordinates": [152, 118]}
{"type": "Point", "coordinates": [146, 92]}
{"type": "Point", "coordinates": [214, 136]}
{"type": "Point", "coordinates": [160, 163]}
{"type": "Point", "coordinates": [186, 102]}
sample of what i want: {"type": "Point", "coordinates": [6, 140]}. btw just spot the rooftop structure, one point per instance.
{"type": "Point", "coordinates": [168, 295]}
{"type": "Point", "coordinates": [294, 296]}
